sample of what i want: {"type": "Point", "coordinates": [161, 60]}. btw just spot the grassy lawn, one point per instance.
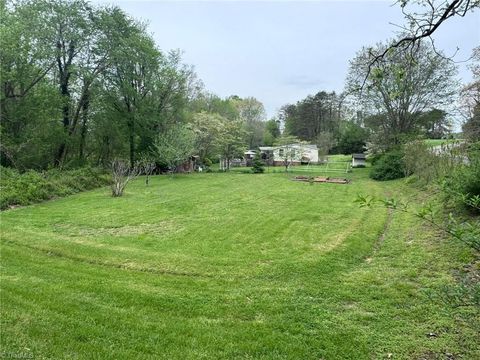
{"type": "Point", "coordinates": [228, 265]}
{"type": "Point", "coordinates": [438, 142]}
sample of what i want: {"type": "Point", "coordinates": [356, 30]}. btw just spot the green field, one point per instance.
{"type": "Point", "coordinates": [438, 142]}
{"type": "Point", "coordinates": [217, 266]}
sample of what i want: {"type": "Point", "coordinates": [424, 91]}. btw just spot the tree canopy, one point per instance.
{"type": "Point", "coordinates": [400, 87]}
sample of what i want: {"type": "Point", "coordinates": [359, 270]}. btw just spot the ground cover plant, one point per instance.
{"type": "Point", "coordinates": [32, 186]}
{"type": "Point", "coordinates": [251, 266]}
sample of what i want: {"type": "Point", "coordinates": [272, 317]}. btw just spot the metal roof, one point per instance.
{"type": "Point", "coordinates": [297, 146]}
{"type": "Point", "coordinates": [359, 156]}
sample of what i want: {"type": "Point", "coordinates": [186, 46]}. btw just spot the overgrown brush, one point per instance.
{"type": "Point", "coordinates": [33, 186]}
{"type": "Point", "coordinates": [463, 183]}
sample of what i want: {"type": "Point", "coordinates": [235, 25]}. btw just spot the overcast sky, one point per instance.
{"type": "Point", "coordinates": [281, 51]}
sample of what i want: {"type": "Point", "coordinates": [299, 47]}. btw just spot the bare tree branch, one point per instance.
{"type": "Point", "coordinates": [422, 25]}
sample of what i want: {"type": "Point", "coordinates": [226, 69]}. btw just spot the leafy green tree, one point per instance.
{"type": "Point", "coordinates": [471, 128]}
{"type": "Point", "coordinates": [210, 103]}
{"type": "Point", "coordinates": [470, 101]}
{"type": "Point", "coordinates": [434, 124]}
{"type": "Point", "coordinates": [313, 115]}
{"type": "Point", "coordinates": [28, 99]}
{"type": "Point", "coordinates": [352, 139]}
{"type": "Point", "coordinates": [207, 128]}
{"type": "Point", "coordinates": [252, 115]}
{"type": "Point", "coordinates": [130, 80]}
{"type": "Point", "coordinates": [400, 87]}
{"type": "Point", "coordinates": [272, 132]}
{"type": "Point", "coordinates": [174, 146]}
{"type": "Point", "coordinates": [88, 80]}
{"type": "Point", "coordinates": [230, 142]}
{"type": "Point", "coordinates": [167, 104]}
{"type": "Point", "coordinates": [273, 127]}
{"type": "Point", "coordinates": [70, 29]}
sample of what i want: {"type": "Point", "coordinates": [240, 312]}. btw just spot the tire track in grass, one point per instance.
{"type": "Point", "coordinates": [381, 238]}
{"type": "Point", "coordinates": [124, 266]}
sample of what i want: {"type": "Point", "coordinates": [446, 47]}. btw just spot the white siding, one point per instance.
{"type": "Point", "coordinates": [300, 151]}
{"type": "Point", "coordinates": [358, 162]}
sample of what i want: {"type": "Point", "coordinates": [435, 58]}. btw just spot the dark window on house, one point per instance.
{"type": "Point", "coordinates": [280, 152]}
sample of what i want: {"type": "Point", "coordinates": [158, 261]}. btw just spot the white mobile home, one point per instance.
{"type": "Point", "coordinates": [294, 154]}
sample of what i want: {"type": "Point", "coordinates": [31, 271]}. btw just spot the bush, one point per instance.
{"type": "Point", "coordinates": [207, 162]}
{"type": "Point", "coordinates": [257, 167]}
{"type": "Point", "coordinates": [464, 181]}
{"type": "Point", "coordinates": [32, 186]}
{"type": "Point", "coordinates": [389, 166]}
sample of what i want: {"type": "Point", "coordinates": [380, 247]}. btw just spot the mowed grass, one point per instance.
{"type": "Point", "coordinates": [439, 142]}
{"type": "Point", "coordinates": [219, 266]}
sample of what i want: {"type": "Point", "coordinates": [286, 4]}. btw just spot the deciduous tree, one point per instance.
{"type": "Point", "coordinates": [400, 87]}
{"type": "Point", "coordinates": [174, 146]}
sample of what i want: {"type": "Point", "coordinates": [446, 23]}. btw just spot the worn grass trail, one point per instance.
{"type": "Point", "coordinates": [225, 266]}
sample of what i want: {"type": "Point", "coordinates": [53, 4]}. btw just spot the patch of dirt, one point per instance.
{"type": "Point", "coordinates": [470, 272]}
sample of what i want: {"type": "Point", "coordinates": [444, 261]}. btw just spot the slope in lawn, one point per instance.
{"type": "Point", "coordinates": [222, 266]}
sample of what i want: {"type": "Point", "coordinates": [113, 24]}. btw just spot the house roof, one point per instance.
{"type": "Point", "coordinates": [250, 152]}
{"type": "Point", "coordinates": [297, 146]}
{"type": "Point", "coordinates": [359, 156]}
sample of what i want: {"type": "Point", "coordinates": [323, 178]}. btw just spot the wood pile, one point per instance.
{"type": "Point", "coordinates": [321, 179]}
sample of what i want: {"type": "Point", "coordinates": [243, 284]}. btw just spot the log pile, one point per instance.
{"type": "Point", "coordinates": [321, 179]}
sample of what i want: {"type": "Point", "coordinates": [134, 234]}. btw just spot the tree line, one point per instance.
{"type": "Point", "coordinates": [90, 85]}
{"type": "Point", "coordinates": [87, 84]}
{"type": "Point", "coordinates": [388, 101]}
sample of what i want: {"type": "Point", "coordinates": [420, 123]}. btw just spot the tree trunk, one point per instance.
{"type": "Point", "coordinates": [83, 131]}
{"type": "Point", "coordinates": [64, 70]}
{"type": "Point", "coordinates": [62, 149]}
{"type": "Point", "coordinates": [131, 140]}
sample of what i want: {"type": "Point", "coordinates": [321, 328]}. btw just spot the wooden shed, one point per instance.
{"type": "Point", "coordinates": [358, 160]}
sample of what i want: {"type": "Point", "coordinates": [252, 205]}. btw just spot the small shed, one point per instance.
{"type": "Point", "coordinates": [358, 160]}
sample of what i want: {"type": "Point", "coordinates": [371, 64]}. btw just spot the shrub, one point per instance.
{"type": "Point", "coordinates": [122, 174]}
{"type": "Point", "coordinates": [464, 181]}
{"type": "Point", "coordinates": [207, 162]}
{"type": "Point", "coordinates": [32, 186]}
{"type": "Point", "coordinates": [430, 164]}
{"type": "Point", "coordinates": [389, 166]}
{"type": "Point", "coordinates": [257, 167]}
